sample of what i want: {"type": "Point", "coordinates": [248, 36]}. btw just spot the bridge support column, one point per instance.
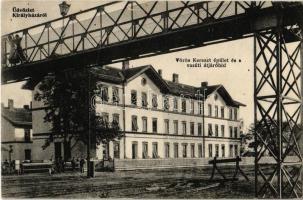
{"type": "Point", "coordinates": [301, 126]}
{"type": "Point", "coordinates": [278, 99]}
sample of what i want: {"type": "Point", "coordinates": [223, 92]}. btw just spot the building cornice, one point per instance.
{"type": "Point", "coordinates": [169, 111]}
{"type": "Point", "coordinates": [156, 110]}
{"type": "Point", "coordinates": [158, 134]}
{"type": "Point", "coordinates": [18, 124]}
{"type": "Point", "coordinates": [16, 142]}
{"type": "Point", "coordinates": [180, 135]}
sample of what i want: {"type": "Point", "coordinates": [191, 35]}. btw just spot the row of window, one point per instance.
{"type": "Point", "coordinates": [166, 104]}
{"type": "Point", "coordinates": [166, 126]}
{"type": "Point", "coordinates": [233, 150]}
{"type": "Point", "coordinates": [233, 131]}
{"type": "Point", "coordinates": [105, 117]}
{"type": "Point", "coordinates": [233, 112]}
{"type": "Point", "coordinates": [184, 127]}
{"type": "Point", "coordinates": [167, 150]}
{"type": "Point", "coordinates": [105, 96]}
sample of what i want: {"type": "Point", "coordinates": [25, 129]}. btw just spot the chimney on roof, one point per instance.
{"type": "Point", "coordinates": [11, 104]}
{"type": "Point", "coordinates": [26, 107]}
{"type": "Point", "coordinates": [125, 65]}
{"type": "Point", "coordinates": [175, 78]}
{"type": "Point", "coordinates": [204, 84]}
{"type": "Point", "coordinates": [160, 72]}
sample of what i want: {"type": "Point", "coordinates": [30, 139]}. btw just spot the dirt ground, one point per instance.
{"type": "Point", "coordinates": [168, 183]}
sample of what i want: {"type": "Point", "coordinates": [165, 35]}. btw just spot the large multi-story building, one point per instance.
{"type": "Point", "coordinates": [159, 118]}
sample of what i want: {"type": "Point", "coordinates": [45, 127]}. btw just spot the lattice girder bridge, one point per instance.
{"type": "Point", "coordinates": [119, 31]}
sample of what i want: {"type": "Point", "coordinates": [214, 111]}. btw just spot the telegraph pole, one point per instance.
{"type": "Point", "coordinates": [88, 121]}
{"type": "Point", "coordinates": [203, 115]}
{"type": "Point", "coordinates": [203, 118]}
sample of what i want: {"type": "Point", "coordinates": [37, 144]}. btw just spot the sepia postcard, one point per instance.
{"type": "Point", "coordinates": [151, 99]}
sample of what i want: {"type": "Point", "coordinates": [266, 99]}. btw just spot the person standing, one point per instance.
{"type": "Point", "coordinates": [62, 164]}
{"type": "Point", "coordinates": [82, 162]}
{"type": "Point", "coordinates": [58, 164]}
{"type": "Point", "coordinates": [73, 162]}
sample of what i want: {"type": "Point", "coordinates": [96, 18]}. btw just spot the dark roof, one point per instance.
{"type": "Point", "coordinates": [118, 76]}
{"type": "Point", "coordinates": [182, 89]}
{"type": "Point", "coordinates": [31, 83]}
{"type": "Point", "coordinates": [108, 74]}
{"type": "Point", "coordinates": [239, 103]}
{"type": "Point", "coordinates": [211, 88]}
{"type": "Point", "coordinates": [191, 91]}
{"type": "Point", "coordinates": [129, 73]}
{"type": "Point", "coordinates": [151, 73]}
{"type": "Point", "coordinates": [188, 90]}
{"type": "Point", "coordinates": [17, 116]}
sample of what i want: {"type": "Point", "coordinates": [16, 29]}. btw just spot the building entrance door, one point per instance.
{"type": "Point", "coordinates": [57, 150]}
{"type": "Point", "coordinates": [28, 154]}
{"type": "Point", "coordinates": [134, 150]}
{"type": "Point", "coordinates": [116, 150]}
{"type": "Point", "coordinates": [67, 150]}
{"type": "Point", "coordinates": [105, 151]}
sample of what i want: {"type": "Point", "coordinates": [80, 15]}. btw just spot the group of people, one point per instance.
{"type": "Point", "coordinates": [7, 167]}
{"type": "Point", "coordinates": [60, 164]}
{"type": "Point", "coordinates": [10, 167]}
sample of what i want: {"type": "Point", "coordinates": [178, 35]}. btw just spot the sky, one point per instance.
{"type": "Point", "coordinates": [237, 77]}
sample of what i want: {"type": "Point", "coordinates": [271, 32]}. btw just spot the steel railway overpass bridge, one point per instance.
{"type": "Point", "coordinates": [120, 31]}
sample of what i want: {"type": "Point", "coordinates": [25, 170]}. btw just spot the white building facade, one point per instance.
{"type": "Point", "coordinates": [160, 119]}
{"type": "Point", "coordinates": [164, 119]}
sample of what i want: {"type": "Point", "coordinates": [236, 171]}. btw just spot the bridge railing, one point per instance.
{"type": "Point", "coordinates": [112, 23]}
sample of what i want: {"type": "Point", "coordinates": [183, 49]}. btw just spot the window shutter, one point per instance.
{"type": "Point", "coordinates": [144, 150]}
{"type": "Point", "coordinates": [154, 101]}
{"type": "Point", "coordinates": [144, 99]}
{"type": "Point", "coordinates": [106, 93]}
{"type": "Point", "coordinates": [116, 98]}
{"type": "Point", "coordinates": [134, 124]}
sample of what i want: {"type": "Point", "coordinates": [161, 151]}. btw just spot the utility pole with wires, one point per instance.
{"type": "Point", "coordinates": [89, 168]}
